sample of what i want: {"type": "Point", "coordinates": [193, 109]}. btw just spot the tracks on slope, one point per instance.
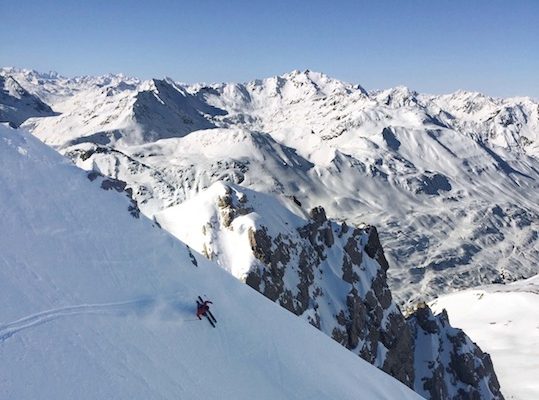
{"type": "Point", "coordinates": [122, 308]}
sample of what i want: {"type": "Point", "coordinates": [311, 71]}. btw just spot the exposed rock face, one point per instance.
{"type": "Point", "coordinates": [295, 269]}
{"type": "Point", "coordinates": [453, 367]}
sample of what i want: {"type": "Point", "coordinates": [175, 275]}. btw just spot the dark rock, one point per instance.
{"type": "Point", "coordinates": [119, 186]}
{"type": "Point", "coordinates": [113, 184]}
{"type": "Point", "coordinates": [318, 214]}
{"type": "Point", "coordinates": [192, 257]}
{"type": "Point", "coordinates": [429, 183]}
{"type": "Point", "coordinates": [260, 244]}
{"type": "Point", "coordinates": [398, 339]}
{"type": "Point", "coordinates": [374, 248]}
{"type": "Point", "coordinates": [391, 140]}
{"type": "Point", "coordinates": [454, 358]}
{"type": "Point", "coordinates": [344, 229]}
{"type": "Point", "coordinates": [352, 257]}
{"type": "Point", "coordinates": [381, 291]}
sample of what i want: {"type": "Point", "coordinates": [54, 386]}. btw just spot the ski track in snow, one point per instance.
{"type": "Point", "coordinates": [138, 306]}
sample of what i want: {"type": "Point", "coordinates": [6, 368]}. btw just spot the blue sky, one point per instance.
{"type": "Point", "coordinates": [431, 46]}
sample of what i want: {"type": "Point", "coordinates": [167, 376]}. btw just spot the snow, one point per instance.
{"type": "Point", "coordinates": [99, 304]}
{"type": "Point", "coordinates": [503, 320]}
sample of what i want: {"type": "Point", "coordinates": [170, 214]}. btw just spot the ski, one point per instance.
{"type": "Point", "coordinates": [210, 315]}
{"type": "Point", "coordinates": [210, 321]}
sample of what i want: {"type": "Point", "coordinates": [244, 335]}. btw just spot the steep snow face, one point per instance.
{"type": "Point", "coordinates": [91, 294]}
{"type": "Point", "coordinates": [333, 276]}
{"type": "Point", "coordinates": [451, 181]}
{"type": "Point", "coordinates": [17, 105]}
{"type": "Point", "coordinates": [504, 321]}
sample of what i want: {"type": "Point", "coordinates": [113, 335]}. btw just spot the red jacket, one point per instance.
{"type": "Point", "coordinates": [202, 308]}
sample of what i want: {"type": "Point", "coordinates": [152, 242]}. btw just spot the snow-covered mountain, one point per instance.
{"type": "Point", "coordinates": [503, 320]}
{"type": "Point", "coordinates": [17, 104]}
{"type": "Point", "coordinates": [450, 181]}
{"type": "Point", "coordinates": [99, 303]}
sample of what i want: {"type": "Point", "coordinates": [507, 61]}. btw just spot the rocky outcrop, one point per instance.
{"type": "Point", "coordinates": [448, 365]}
{"type": "Point", "coordinates": [119, 186]}
{"type": "Point", "coordinates": [334, 276]}
{"type": "Point", "coordinates": [295, 269]}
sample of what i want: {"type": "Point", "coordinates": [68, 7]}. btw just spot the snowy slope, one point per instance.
{"type": "Point", "coordinates": [99, 304]}
{"type": "Point", "coordinates": [503, 320]}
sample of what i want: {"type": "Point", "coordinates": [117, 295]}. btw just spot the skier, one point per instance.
{"type": "Point", "coordinates": [202, 308]}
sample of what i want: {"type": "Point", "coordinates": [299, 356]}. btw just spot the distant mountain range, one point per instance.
{"type": "Point", "coordinates": [450, 181]}
{"type": "Point", "coordinates": [17, 105]}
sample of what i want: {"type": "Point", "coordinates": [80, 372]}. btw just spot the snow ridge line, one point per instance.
{"type": "Point", "coordinates": [11, 328]}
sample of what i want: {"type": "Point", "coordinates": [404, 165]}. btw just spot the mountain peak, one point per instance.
{"type": "Point", "coordinates": [397, 97]}
{"type": "Point", "coordinates": [322, 81]}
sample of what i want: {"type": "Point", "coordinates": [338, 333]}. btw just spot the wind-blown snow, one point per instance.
{"type": "Point", "coordinates": [504, 321]}
{"type": "Point", "coordinates": [99, 304]}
